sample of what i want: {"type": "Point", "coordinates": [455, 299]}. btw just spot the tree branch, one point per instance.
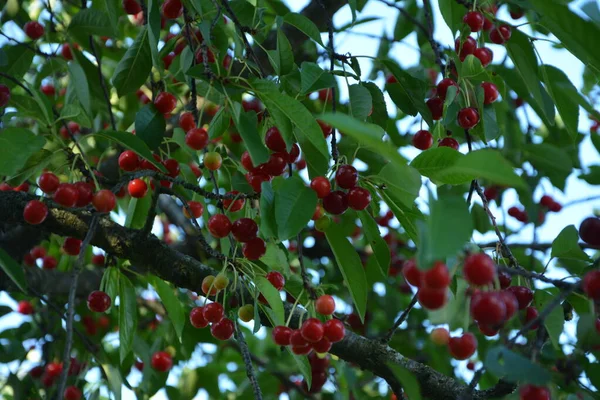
{"type": "Point", "coordinates": [246, 355]}
{"type": "Point", "coordinates": [400, 320]}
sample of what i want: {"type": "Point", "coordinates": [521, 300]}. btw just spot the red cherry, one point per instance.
{"type": "Point", "coordinates": [196, 138]}
{"type": "Point", "coordinates": [195, 169]}
{"type": "Point", "coordinates": [591, 284]}
{"type": "Point", "coordinates": [34, 30]}
{"type": "Point", "coordinates": [161, 361]}
{"type": "Point", "coordinates": [531, 313]}
{"type": "Point", "coordinates": [436, 107]}
{"type": "Point", "coordinates": [312, 330]}
{"type": "Point", "coordinates": [412, 274]}
{"type": "Point", "coordinates": [276, 164]}
{"type": "Point", "coordinates": [336, 202]}
{"type": "Point", "coordinates": [422, 140]}
{"type": "Point", "coordinates": [254, 249]}
{"type": "Point", "coordinates": [475, 20]}
{"type": "Point", "coordinates": [488, 308]}
{"type": "Point", "coordinates": [244, 230]}
{"type": "Point", "coordinates": [589, 231]}
{"type": "Point", "coordinates": [200, 56]}
{"type": "Point", "coordinates": [281, 335]}
{"type": "Point", "coordinates": [38, 252]}
{"type": "Point", "coordinates": [98, 260]}
{"type": "Point", "coordinates": [276, 279]}
{"type": "Point", "coordinates": [501, 34]}
{"type": "Point", "coordinates": [66, 195]}
{"type": "Point", "coordinates": [516, 12]}
{"type": "Point", "coordinates": [54, 369]}
{"type": "Point", "coordinates": [471, 366]}
{"type": "Point", "coordinates": [326, 95]}
{"type": "Point", "coordinates": [219, 226]}
{"type": "Point", "coordinates": [165, 102]}
{"type": "Point", "coordinates": [449, 142]}
{"type": "Point", "coordinates": [443, 86]}
{"type": "Point", "coordinates": [48, 90]}
{"type": "Point", "coordinates": [325, 128]}
{"type": "Point", "coordinates": [490, 92]}
{"type": "Point", "coordinates": [36, 372]}
{"type": "Point", "coordinates": [172, 167]}
{"type": "Point", "coordinates": [222, 330]}
{"type": "Point", "coordinates": [479, 269]}
{"type": "Point", "coordinates": [247, 162]}
{"type": "Point", "coordinates": [322, 346]}
{"type": "Point", "coordinates": [137, 188]}
{"type": "Point", "coordinates": [233, 205]}
{"type": "Point", "coordinates": [72, 246]}
{"type": "Point", "coordinates": [465, 48]}
{"type": "Point", "coordinates": [321, 186]}
{"type": "Point", "coordinates": [186, 121]}
{"type": "Point", "coordinates": [531, 392]}
{"type": "Point", "coordinates": [131, 7]}
{"type": "Point", "coordinates": [294, 153]}
{"type": "Point", "coordinates": [196, 208]}
{"type": "Point", "coordinates": [98, 301]}
{"type": "Point", "coordinates": [104, 201]}
{"type": "Point", "coordinates": [359, 198]}
{"type": "Point", "coordinates": [66, 51]}
{"type": "Point", "coordinates": [462, 347]}
{"type": "Point", "coordinates": [213, 312]}
{"type": "Point", "coordinates": [85, 193]}
{"type": "Point", "coordinates": [168, 59]}
{"type": "Point", "coordinates": [171, 9]}
{"type": "Point", "coordinates": [255, 179]}
{"type": "Point", "coordinates": [484, 55]}
{"type": "Point", "coordinates": [468, 117]}
{"type": "Point", "coordinates": [25, 307]}
{"type": "Point", "coordinates": [325, 305]}
{"type": "Point", "coordinates": [437, 277]}
{"type": "Point", "coordinates": [432, 299]}
{"type": "Point", "coordinates": [301, 350]}
{"type": "Point", "coordinates": [523, 294]}
{"type": "Point", "coordinates": [440, 336]}
{"type": "Point", "coordinates": [296, 338]}
{"type": "Point", "coordinates": [505, 279]}
{"type": "Point", "coordinates": [488, 330]}
{"type": "Point", "coordinates": [334, 330]}
{"type": "Point", "coordinates": [4, 95]}
{"type": "Point", "coordinates": [49, 262]}
{"type": "Point", "coordinates": [510, 303]}
{"type": "Point", "coordinates": [346, 176]}
{"type": "Point", "coordinates": [72, 393]}
{"type": "Point", "coordinates": [555, 207]}
{"type": "Point", "coordinates": [391, 79]}
{"type": "Point", "coordinates": [274, 140]}
{"type": "Point", "coordinates": [5, 187]}
{"type": "Point", "coordinates": [35, 212]}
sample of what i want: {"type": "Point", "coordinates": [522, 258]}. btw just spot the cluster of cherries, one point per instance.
{"type": "Point", "coordinates": [319, 366]}
{"type": "Point", "coordinates": [338, 201]}
{"type": "Point", "coordinates": [50, 373]}
{"type": "Point", "coordinates": [312, 334]}
{"type": "Point", "coordinates": [548, 204]}
{"type": "Point", "coordinates": [460, 347]}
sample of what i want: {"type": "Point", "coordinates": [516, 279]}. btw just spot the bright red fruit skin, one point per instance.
{"type": "Point", "coordinates": [449, 142]}
{"type": "Point", "coordinates": [468, 47]}
{"type": "Point", "coordinates": [104, 201]}
{"type": "Point", "coordinates": [196, 138]}
{"type": "Point", "coordinates": [321, 186]}
{"type": "Point", "coordinates": [437, 277]}
{"type": "Point", "coordinates": [412, 274]}
{"type": "Point", "coordinates": [131, 7]}
{"type": "Point", "coordinates": [336, 202]}
{"type": "Point", "coordinates": [66, 52]}
{"type": "Point", "coordinates": [98, 260]}
{"type": "Point", "coordinates": [72, 246]}
{"type": "Point", "coordinates": [334, 330]}
{"type": "Point", "coordinates": [34, 30]}
{"type": "Point", "coordinates": [137, 188]}
{"type": "Point", "coordinates": [281, 335]}
{"type": "Point", "coordinates": [129, 161]}
{"type": "Point", "coordinates": [479, 269]}
{"type": "Point", "coordinates": [510, 303]}
{"type": "Point", "coordinates": [276, 279]}
{"type": "Point", "coordinates": [325, 305]}
{"type": "Point", "coordinates": [186, 121]}
{"type": "Point", "coordinates": [312, 330]}
{"type": "Point", "coordinates": [475, 20]}
{"type": "Point", "coordinates": [488, 308]}
{"type": "Point", "coordinates": [523, 294]}
{"type": "Point", "coordinates": [359, 198]}
{"type": "Point", "coordinates": [232, 205]}
{"type": "Point", "coordinates": [172, 9]}
{"type": "Point", "coordinates": [322, 346]}
{"type": "Point", "coordinates": [161, 361]}
{"type": "Point", "coordinates": [213, 312]}
{"type": "Point", "coordinates": [490, 92]}
{"type": "Point", "coordinates": [49, 262]}
{"type": "Point", "coordinates": [98, 301]}
{"type": "Point", "coordinates": [463, 347]}
{"type": "Point", "coordinates": [531, 392]}
{"type": "Point", "coordinates": [468, 118]}
{"type": "Point", "coordinates": [54, 369]}
{"type": "Point", "coordinates": [436, 107]}
{"type": "Point", "coordinates": [443, 86]}
{"type": "Point", "coordinates": [85, 193]}
{"type": "Point", "coordinates": [325, 128]}
{"type": "Point", "coordinates": [484, 55]}
{"type": "Point", "coordinates": [254, 249]}
{"type": "Point", "coordinates": [346, 176]}
{"type": "Point", "coordinates": [219, 226]}
{"type": "Point", "coordinates": [432, 299]}
{"type": "Point", "coordinates": [501, 34]}
{"type": "Point", "coordinates": [589, 231]}
{"type": "Point", "coordinates": [4, 95]}
{"type": "Point", "coordinates": [72, 393]}
{"type": "Point", "coordinates": [422, 140]}
{"type": "Point", "coordinates": [591, 284]}
{"type": "Point", "coordinates": [48, 182]}
{"type": "Point", "coordinates": [222, 330]}
{"type": "Point", "coordinates": [66, 195]}
{"type": "Point", "coordinates": [196, 208]}
{"type": "Point", "coordinates": [24, 307]}
{"type": "Point", "coordinates": [244, 230]}
{"type": "Point", "coordinates": [165, 102]}
{"type": "Point", "coordinates": [35, 212]}
{"type": "Point", "coordinates": [531, 313]}
{"type": "Point", "coordinates": [277, 164]}
{"type": "Point", "coordinates": [274, 140]}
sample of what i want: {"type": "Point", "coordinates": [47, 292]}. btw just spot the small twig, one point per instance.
{"type": "Point", "coordinates": [400, 320]}
{"type": "Point", "coordinates": [474, 181]}
{"type": "Point", "coordinates": [540, 277]}
{"type": "Point", "coordinates": [28, 46]}
{"type": "Point", "coordinates": [435, 46]}
{"type": "Point", "coordinates": [105, 92]}
{"type": "Point", "coordinates": [312, 294]}
{"type": "Point", "coordinates": [16, 82]}
{"type": "Point", "coordinates": [246, 355]}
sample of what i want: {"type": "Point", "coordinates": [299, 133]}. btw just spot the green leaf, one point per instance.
{"type": "Point", "coordinates": [367, 134]}
{"type": "Point", "coordinates": [19, 61]}
{"type": "Point", "coordinates": [32, 167]}
{"type": "Point", "coordinates": [273, 298]}
{"type": "Point", "coordinates": [378, 245]}
{"type": "Point", "coordinates": [13, 270]}
{"type": "Point", "coordinates": [472, 70]}
{"type": "Point", "coordinates": [74, 112]}
{"type": "Point", "coordinates": [566, 245]}
{"type": "Point", "coordinates": [137, 211]}
{"type": "Point", "coordinates": [555, 321]}
{"type": "Point", "coordinates": [295, 205]}
{"type": "Point", "coordinates": [110, 8]}
{"type": "Point", "coordinates": [409, 382]}
{"type": "Point", "coordinates": [114, 378]}
{"type": "Point", "coordinates": [89, 21]}
{"type": "Point", "coordinates": [303, 366]}
{"type": "Point", "coordinates": [587, 334]}
{"type": "Point", "coordinates": [513, 367]}
{"type": "Point", "coordinates": [408, 93]}
{"type": "Point", "coordinates": [550, 160]}
{"type": "Point", "coordinates": [361, 103]}
{"type": "Point", "coordinates": [404, 26]}
{"type": "Point", "coordinates": [305, 25]}
{"type": "Point", "coordinates": [521, 52]}
{"type": "Point", "coordinates": [135, 66]}
{"type": "Point", "coordinates": [402, 182]}
{"type": "Point", "coordinates": [435, 164]}
{"type": "Point", "coordinates": [566, 97]}
{"type": "Point", "coordinates": [150, 126]}
{"type": "Point", "coordinates": [350, 265]}
{"type": "Point", "coordinates": [172, 304]}
{"type": "Point", "coordinates": [490, 126]}
{"type": "Point", "coordinates": [268, 224]}
{"type": "Point", "coordinates": [154, 33]}
{"type": "Point", "coordinates": [575, 33]}
{"type": "Point", "coordinates": [380, 114]}
{"type": "Point", "coordinates": [453, 14]}
{"type": "Point", "coordinates": [247, 123]}
{"type": "Point", "coordinates": [127, 316]}
{"type": "Point", "coordinates": [488, 164]}
{"type": "Point", "coordinates": [314, 78]}
{"type": "Point", "coordinates": [16, 146]}
{"type": "Point", "coordinates": [219, 123]}
{"type": "Point", "coordinates": [131, 142]}
{"type": "Point", "coordinates": [407, 216]}
{"type": "Point", "coordinates": [78, 81]}
{"type": "Point", "coordinates": [284, 56]}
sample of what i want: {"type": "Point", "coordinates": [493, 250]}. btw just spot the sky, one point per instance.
{"type": "Point", "coordinates": [407, 55]}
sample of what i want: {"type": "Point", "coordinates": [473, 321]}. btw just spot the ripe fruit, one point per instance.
{"type": "Point", "coordinates": [443, 86]}
{"type": "Point", "coordinates": [523, 294]}
{"type": "Point", "coordinates": [25, 307]}
{"type": "Point", "coordinates": [172, 167]}
{"type": "Point", "coordinates": [436, 107]}
{"type": "Point", "coordinates": [244, 230]}
{"type": "Point", "coordinates": [325, 305]}
{"type": "Point", "coordinates": [432, 299]}
{"type": "Point", "coordinates": [346, 176]}
{"type": "Point", "coordinates": [334, 330]}
{"type": "Point", "coordinates": [449, 142]}
{"type": "Point", "coordinates": [510, 303]}
{"type": "Point", "coordinates": [48, 90]}
{"type": "Point", "coordinates": [591, 284]}
{"type": "Point", "coordinates": [98, 301]}
{"type": "Point", "coordinates": [501, 34]}
{"type": "Point", "coordinates": [232, 205]}
{"type": "Point", "coordinates": [321, 186]}
{"type": "Point", "coordinates": [465, 48]}
{"type": "Point", "coordinates": [294, 153]}
{"type": "Point", "coordinates": [359, 198]}
{"type": "Point", "coordinates": [274, 140]}
{"type": "Point", "coordinates": [48, 182]}
{"type": "Point", "coordinates": [312, 330]}
{"type": "Point", "coordinates": [412, 274]}
{"type": "Point", "coordinates": [475, 20]}
{"type": "Point", "coordinates": [171, 9]}
{"type": "Point", "coordinates": [322, 346]}
{"type": "Point", "coordinates": [85, 193]}
{"type": "Point", "coordinates": [4, 95]}
{"type": "Point", "coordinates": [219, 225]}
{"type": "Point", "coordinates": [422, 140]}
{"type": "Point", "coordinates": [479, 269]}
{"type": "Point", "coordinates": [246, 313]}
{"type": "Point", "coordinates": [196, 138]}
{"type": "Point", "coordinates": [72, 393]}
{"type": "Point", "coordinates": [66, 51]}
{"type": "Point", "coordinates": [254, 249]}
{"type": "Point", "coordinates": [212, 160]}
{"type": "Point", "coordinates": [531, 313]}
{"type": "Point", "coordinates": [208, 284]}
{"type": "Point", "coordinates": [66, 195]}
{"type": "Point", "coordinates": [161, 361]}
{"type": "Point", "coordinates": [104, 201]}
{"type": "Point", "coordinates": [35, 212]}
{"type": "Point", "coordinates": [468, 117]}
{"type": "Point", "coordinates": [222, 330]}
{"type": "Point", "coordinates": [325, 128]}
{"type": "Point", "coordinates": [165, 102]}
{"type": "Point", "coordinates": [137, 188]}
{"type": "Point", "coordinates": [213, 312]}
{"type": "Point", "coordinates": [276, 164]}
{"type": "Point", "coordinates": [276, 279]}
{"type": "Point", "coordinates": [72, 246]}
{"type": "Point", "coordinates": [281, 335]}
{"type": "Point", "coordinates": [490, 92]}
{"type": "Point", "coordinates": [49, 262]}
{"type": "Point", "coordinates": [440, 336]}
{"type": "Point", "coordinates": [488, 308]}
{"type": "Point", "coordinates": [437, 277]}
{"type": "Point", "coordinates": [531, 392]}
{"type": "Point", "coordinates": [129, 161]}
{"type": "Point", "coordinates": [196, 208]}
{"type": "Point", "coordinates": [462, 347]}
{"type": "Point", "coordinates": [131, 7]}
{"type": "Point", "coordinates": [505, 280]}
{"type": "Point", "coordinates": [53, 369]}
{"type": "Point", "coordinates": [34, 30]}
{"type": "Point", "coordinates": [484, 55]}
{"type": "Point", "coordinates": [336, 202]}
{"type": "Point", "coordinates": [589, 231]}
{"type": "Point", "coordinates": [186, 121]}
